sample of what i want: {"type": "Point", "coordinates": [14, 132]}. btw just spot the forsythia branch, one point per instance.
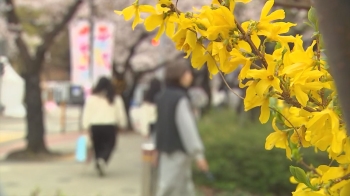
{"type": "Point", "coordinates": [250, 42]}
{"type": "Point", "coordinates": [309, 167]}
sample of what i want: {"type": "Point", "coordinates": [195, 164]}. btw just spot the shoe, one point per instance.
{"type": "Point", "coordinates": [101, 167]}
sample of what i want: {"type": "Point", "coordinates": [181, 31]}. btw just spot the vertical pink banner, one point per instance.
{"type": "Point", "coordinates": [79, 49]}
{"type": "Point", "coordinates": [103, 49]}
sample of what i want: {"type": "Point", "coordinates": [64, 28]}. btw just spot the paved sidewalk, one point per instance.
{"type": "Point", "coordinates": [71, 178]}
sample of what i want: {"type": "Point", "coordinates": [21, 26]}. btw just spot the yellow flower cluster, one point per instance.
{"type": "Point", "coordinates": [307, 112]}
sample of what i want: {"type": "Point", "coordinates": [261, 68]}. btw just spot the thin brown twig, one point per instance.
{"type": "Point", "coordinates": [228, 86]}
{"type": "Point", "coordinates": [315, 101]}
{"type": "Point", "coordinates": [222, 75]}
{"type": "Point", "coordinates": [174, 8]}
{"type": "Point", "coordinates": [346, 177]}
{"type": "Point", "coordinates": [286, 97]}
{"type": "Point", "coordinates": [295, 129]}
{"type": "Point", "coordinates": [250, 42]}
{"type": "Point", "coordinates": [324, 99]}
{"type": "Point", "coordinates": [309, 167]}
{"type": "Point", "coordinates": [330, 164]}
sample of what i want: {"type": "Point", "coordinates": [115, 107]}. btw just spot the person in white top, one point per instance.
{"type": "Point", "coordinates": [104, 113]}
{"type": "Point", "coordinates": [149, 109]}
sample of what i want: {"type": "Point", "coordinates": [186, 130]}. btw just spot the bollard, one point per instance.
{"type": "Point", "coordinates": [148, 170]}
{"type": "Point", "coordinates": [63, 116]}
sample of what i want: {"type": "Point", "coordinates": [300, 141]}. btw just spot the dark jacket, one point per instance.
{"type": "Point", "coordinates": [168, 138]}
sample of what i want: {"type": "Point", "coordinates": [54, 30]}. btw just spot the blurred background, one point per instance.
{"type": "Point", "coordinates": [46, 71]}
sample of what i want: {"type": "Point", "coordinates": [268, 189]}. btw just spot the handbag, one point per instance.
{"type": "Point", "coordinates": [83, 151]}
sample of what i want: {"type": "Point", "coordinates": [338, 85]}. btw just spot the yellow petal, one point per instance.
{"type": "Point", "coordinates": [257, 74]}
{"type": "Point", "coordinates": [288, 151]}
{"type": "Point", "coordinates": [160, 32]}
{"type": "Point", "coordinates": [252, 100]}
{"type": "Point", "coordinates": [292, 180]}
{"type": "Point", "coordinates": [265, 112]}
{"type": "Point", "coordinates": [266, 9]}
{"type": "Point", "coordinates": [212, 67]}
{"type": "Point", "coordinates": [147, 9]}
{"type": "Point", "coordinates": [262, 87]}
{"type": "Point", "coordinates": [276, 84]}
{"type": "Point", "coordinates": [128, 12]}
{"type": "Point", "coordinates": [153, 21]}
{"type": "Point", "coordinates": [229, 66]}
{"type": "Point", "coordinates": [228, 15]}
{"type": "Point", "coordinates": [278, 14]}
{"type": "Point", "coordinates": [191, 39]}
{"type": "Point", "coordinates": [256, 40]}
{"type": "Point", "coordinates": [137, 20]}
{"type": "Point", "coordinates": [243, 45]}
{"type": "Point", "coordinates": [244, 70]}
{"type": "Point", "coordinates": [245, 25]}
{"type": "Point", "coordinates": [170, 29]}
{"type": "Point", "coordinates": [332, 173]}
{"type": "Point", "coordinates": [337, 143]}
{"type": "Point", "coordinates": [345, 191]}
{"type": "Point", "coordinates": [271, 140]}
{"type": "Point", "coordinates": [243, 1]}
{"type": "Point", "coordinates": [285, 26]}
{"type": "Point", "coordinates": [217, 46]}
{"type": "Point", "coordinates": [198, 57]}
{"type": "Point", "coordinates": [300, 95]}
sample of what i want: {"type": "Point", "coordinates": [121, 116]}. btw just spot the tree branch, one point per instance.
{"type": "Point", "coordinates": [49, 37]}
{"type": "Point", "coordinates": [13, 19]}
{"type": "Point", "coordinates": [247, 38]}
{"type": "Point", "coordinates": [132, 50]}
{"type": "Point", "coordinates": [159, 65]}
{"type": "Point", "coordinates": [300, 4]}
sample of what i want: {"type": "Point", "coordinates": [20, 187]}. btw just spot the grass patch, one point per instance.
{"type": "Point", "coordinates": [239, 161]}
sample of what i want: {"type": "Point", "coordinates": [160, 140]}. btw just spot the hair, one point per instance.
{"type": "Point", "coordinates": [154, 88]}
{"type": "Point", "coordinates": [105, 86]}
{"type": "Point", "coordinates": [175, 71]}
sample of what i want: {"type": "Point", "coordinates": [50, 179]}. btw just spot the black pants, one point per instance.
{"type": "Point", "coordinates": [103, 140]}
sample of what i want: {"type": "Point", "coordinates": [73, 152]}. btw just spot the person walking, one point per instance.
{"type": "Point", "coordinates": [177, 139]}
{"type": "Point", "coordinates": [148, 108]}
{"type": "Point", "coordinates": [104, 113]}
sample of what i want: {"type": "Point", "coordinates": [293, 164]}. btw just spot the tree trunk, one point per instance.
{"type": "Point", "coordinates": [35, 115]}
{"type": "Point", "coordinates": [128, 97]}
{"type": "Point", "coordinates": [335, 29]}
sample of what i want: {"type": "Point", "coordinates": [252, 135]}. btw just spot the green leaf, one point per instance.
{"type": "Point", "coordinates": [311, 15]}
{"type": "Point", "coordinates": [300, 176]}
{"type": "Point", "coordinates": [309, 24]}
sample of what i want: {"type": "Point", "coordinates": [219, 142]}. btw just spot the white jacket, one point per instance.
{"type": "Point", "coordinates": [147, 114]}
{"type": "Point", "coordinates": [98, 111]}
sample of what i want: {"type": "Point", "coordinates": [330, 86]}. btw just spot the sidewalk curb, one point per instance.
{"type": "Point", "coordinates": [51, 141]}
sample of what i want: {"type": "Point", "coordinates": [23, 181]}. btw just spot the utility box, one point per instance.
{"type": "Point", "coordinates": [70, 94]}
{"type": "Point", "coordinates": [76, 95]}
